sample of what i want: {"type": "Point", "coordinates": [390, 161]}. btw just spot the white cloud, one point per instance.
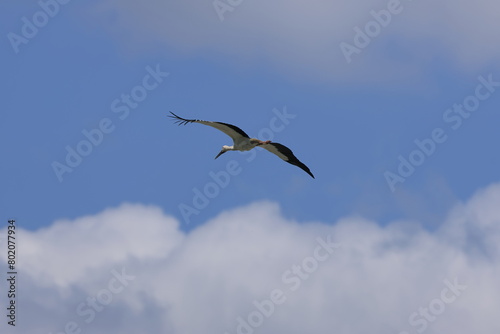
{"type": "Point", "coordinates": [303, 38]}
{"type": "Point", "coordinates": [49, 254]}
{"type": "Point", "coordinates": [205, 280]}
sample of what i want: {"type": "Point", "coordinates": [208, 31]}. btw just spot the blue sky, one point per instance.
{"type": "Point", "coordinates": [349, 134]}
{"type": "Point", "coordinates": [349, 120]}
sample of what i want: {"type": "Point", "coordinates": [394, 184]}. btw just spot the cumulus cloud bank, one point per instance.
{"type": "Point", "coordinates": [131, 269]}
{"type": "Point", "coordinates": [304, 37]}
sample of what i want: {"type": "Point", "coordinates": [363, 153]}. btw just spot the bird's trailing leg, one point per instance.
{"type": "Point", "coordinates": [264, 142]}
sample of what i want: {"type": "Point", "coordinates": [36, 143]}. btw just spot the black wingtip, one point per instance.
{"type": "Point", "coordinates": [172, 115]}
{"type": "Point", "coordinates": [302, 166]}
{"type": "Point", "coordinates": [307, 170]}
{"type": "Point", "coordinates": [179, 120]}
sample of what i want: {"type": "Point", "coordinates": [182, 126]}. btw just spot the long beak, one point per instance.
{"type": "Point", "coordinates": [220, 153]}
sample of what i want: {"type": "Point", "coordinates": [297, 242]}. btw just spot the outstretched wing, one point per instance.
{"type": "Point", "coordinates": [231, 130]}
{"type": "Point", "coordinates": [286, 154]}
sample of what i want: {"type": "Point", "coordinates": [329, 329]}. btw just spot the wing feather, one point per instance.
{"type": "Point", "coordinates": [231, 130]}
{"type": "Point", "coordinates": [287, 155]}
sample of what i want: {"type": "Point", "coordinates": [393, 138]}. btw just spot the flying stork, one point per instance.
{"type": "Point", "coordinates": [242, 142]}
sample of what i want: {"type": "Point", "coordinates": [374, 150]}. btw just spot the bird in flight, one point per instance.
{"type": "Point", "coordinates": [242, 142]}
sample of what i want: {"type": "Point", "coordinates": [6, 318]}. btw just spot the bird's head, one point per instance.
{"type": "Point", "coordinates": [225, 148]}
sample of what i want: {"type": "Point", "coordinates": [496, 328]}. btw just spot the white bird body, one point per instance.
{"type": "Point", "coordinates": [242, 142]}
